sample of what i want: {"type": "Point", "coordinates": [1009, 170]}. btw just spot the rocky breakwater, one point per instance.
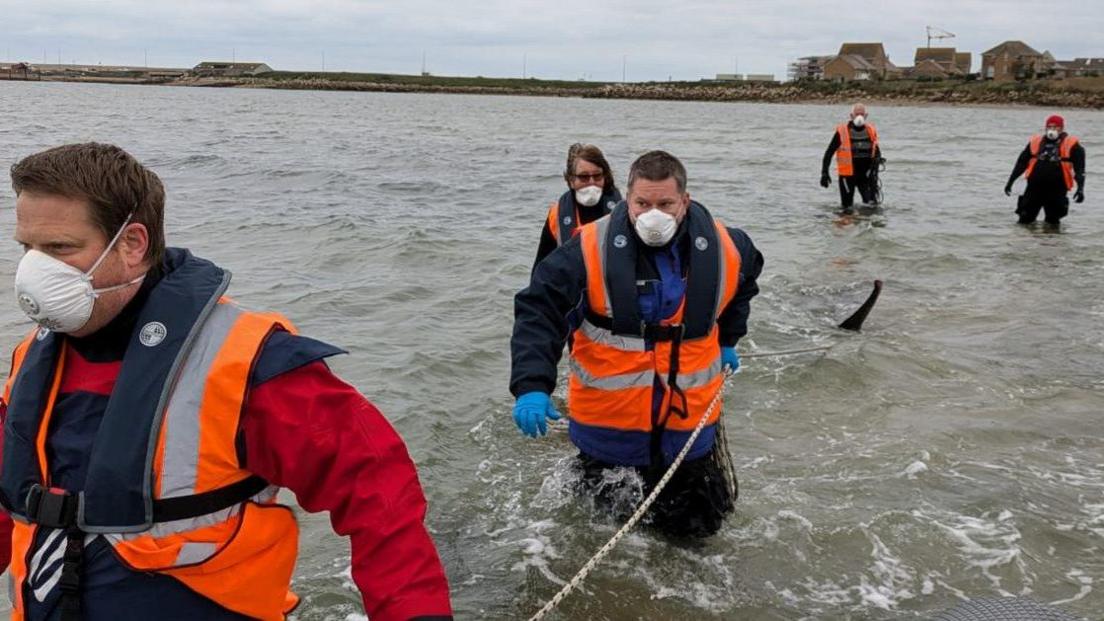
{"type": "Point", "coordinates": [1043, 94]}
{"type": "Point", "coordinates": [1050, 94]}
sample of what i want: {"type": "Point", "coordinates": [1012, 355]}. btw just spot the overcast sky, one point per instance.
{"type": "Point", "coordinates": [568, 39]}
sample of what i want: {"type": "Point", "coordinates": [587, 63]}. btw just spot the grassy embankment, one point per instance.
{"type": "Point", "coordinates": [1077, 92]}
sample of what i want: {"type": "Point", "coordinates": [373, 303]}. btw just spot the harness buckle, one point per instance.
{"type": "Point", "coordinates": [657, 332]}
{"type": "Point", "coordinates": [50, 508]}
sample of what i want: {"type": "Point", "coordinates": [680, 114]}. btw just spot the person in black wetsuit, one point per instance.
{"type": "Point", "coordinates": [1052, 163]}
{"type": "Point", "coordinates": [855, 147]}
{"type": "Point", "coordinates": [591, 194]}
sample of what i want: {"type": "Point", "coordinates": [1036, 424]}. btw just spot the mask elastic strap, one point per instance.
{"type": "Point", "coordinates": [97, 292]}
{"type": "Point", "coordinates": [111, 245]}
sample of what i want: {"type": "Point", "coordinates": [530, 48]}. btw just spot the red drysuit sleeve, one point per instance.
{"type": "Point", "coordinates": [312, 433]}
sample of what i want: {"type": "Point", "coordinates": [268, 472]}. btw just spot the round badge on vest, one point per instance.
{"type": "Point", "coordinates": [620, 241]}
{"type": "Point", "coordinates": [153, 333]}
{"type": "Point", "coordinates": [610, 205]}
{"type": "Point", "coordinates": [701, 243]}
{"type": "Point", "coordinates": [567, 220]}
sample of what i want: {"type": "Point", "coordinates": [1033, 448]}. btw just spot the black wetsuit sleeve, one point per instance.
{"type": "Point", "coordinates": [832, 147]}
{"type": "Point", "coordinates": [1021, 164]}
{"type": "Point", "coordinates": [547, 245]}
{"type": "Point", "coordinates": [1077, 158]}
{"type": "Point", "coordinates": [733, 320]}
{"type": "Point", "coordinates": [540, 318]}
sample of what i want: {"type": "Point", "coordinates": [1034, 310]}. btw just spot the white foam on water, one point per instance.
{"type": "Point", "coordinates": [537, 550]}
{"type": "Point", "coordinates": [709, 583]}
{"type": "Point", "coordinates": [893, 578]}
{"type": "Point", "coordinates": [914, 469]}
{"type": "Point", "coordinates": [986, 542]}
{"type": "Point", "coordinates": [1084, 583]}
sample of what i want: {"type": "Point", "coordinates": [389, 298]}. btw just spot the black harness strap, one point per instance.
{"type": "Point", "coordinates": [184, 507]}
{"type": "Point", "coordinates": [71, 575]}
{"type": "Point", "coordinates": [58, 509]}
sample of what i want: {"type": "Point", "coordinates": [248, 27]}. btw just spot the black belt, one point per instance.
{"type": "Point", "coordinates": [651, 331]}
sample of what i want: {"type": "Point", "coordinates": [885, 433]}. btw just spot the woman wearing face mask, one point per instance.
{"type": "Point", "coordinates": [591, 194]}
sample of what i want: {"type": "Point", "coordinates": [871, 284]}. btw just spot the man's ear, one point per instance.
{"type": "Point", "coordinates": [134, 243]}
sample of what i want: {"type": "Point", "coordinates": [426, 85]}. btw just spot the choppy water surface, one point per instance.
{"type": "Point", "coordinates": [951, 450]}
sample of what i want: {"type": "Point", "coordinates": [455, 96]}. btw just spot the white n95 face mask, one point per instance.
{"type": "Point", "coordinates": [56, 295]}
{"type": "Point", "coordinates": [588, 196]}
{"type": "Point", "coordinates": [859, 120]}
{"type": "Point", "coordinates": [1052, 134]}
{"type": "Point", "coordinates": [655, 227]}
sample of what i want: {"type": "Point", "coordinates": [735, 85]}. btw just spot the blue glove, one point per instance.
{"type": "Point", "coordinates": [530, 413]}
{"type": "Point", "coordinates": [730, 360]}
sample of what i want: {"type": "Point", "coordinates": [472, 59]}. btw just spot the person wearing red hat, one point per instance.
{"type": "Point", "coordinates": [1052, 163]}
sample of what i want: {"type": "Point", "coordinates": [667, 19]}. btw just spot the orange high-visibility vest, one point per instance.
{"type": "Point", "coordinates": [844, 163]}
{"type": "Point", "coordinates": [569, 220]}
{"type": "Point", "coordinates": [612, 374]}
{"type": "Point", "coordinates": [1065, 148]}
{"type": "Point", "coordinates": [240, 556]}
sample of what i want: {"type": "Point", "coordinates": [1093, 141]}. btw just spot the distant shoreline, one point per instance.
{"type": "Point", "coordinates": [1085, 93]}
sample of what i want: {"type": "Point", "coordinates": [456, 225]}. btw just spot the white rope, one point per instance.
{"type": "Point", "coordinates": [788, 352]}
{"type": "Point", "coordinates": [640, 511]}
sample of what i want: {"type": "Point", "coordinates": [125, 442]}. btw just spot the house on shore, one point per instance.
{"type": "Point", "coordinates": [1080, 68]}
{"type": "Point", "coordinates": [1013, 60]}
{"type": "Point", "coordinates": [861, 61]}
{"type": "Point", "coordinates": [941, 62]}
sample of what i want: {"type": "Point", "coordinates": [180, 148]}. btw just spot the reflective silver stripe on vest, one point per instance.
{"type": "Point", "coordinates": [164, 529]}
{"type": "Point", "coordinates": [602, 336]}
{"type": "Point", "coordinates": [182, 416]}
{"type": "Point", "coordinates": [698, 378]}
{"type": "Point", "coordinates": [643, 379]}
{"type": "Point", "coordinates": [601, 229]}
{"type": "Point", "coordinates": [193, 553]}
{"type": "Point", "coordinates": [722, 269]}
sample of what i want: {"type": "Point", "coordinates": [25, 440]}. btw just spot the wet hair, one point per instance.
{"type": "Point", "coordinates": [658, 166]}
{"type": "Point", "coordinates": [109, 179]}
{"type": "Point", "coordinates": [592, 154]}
